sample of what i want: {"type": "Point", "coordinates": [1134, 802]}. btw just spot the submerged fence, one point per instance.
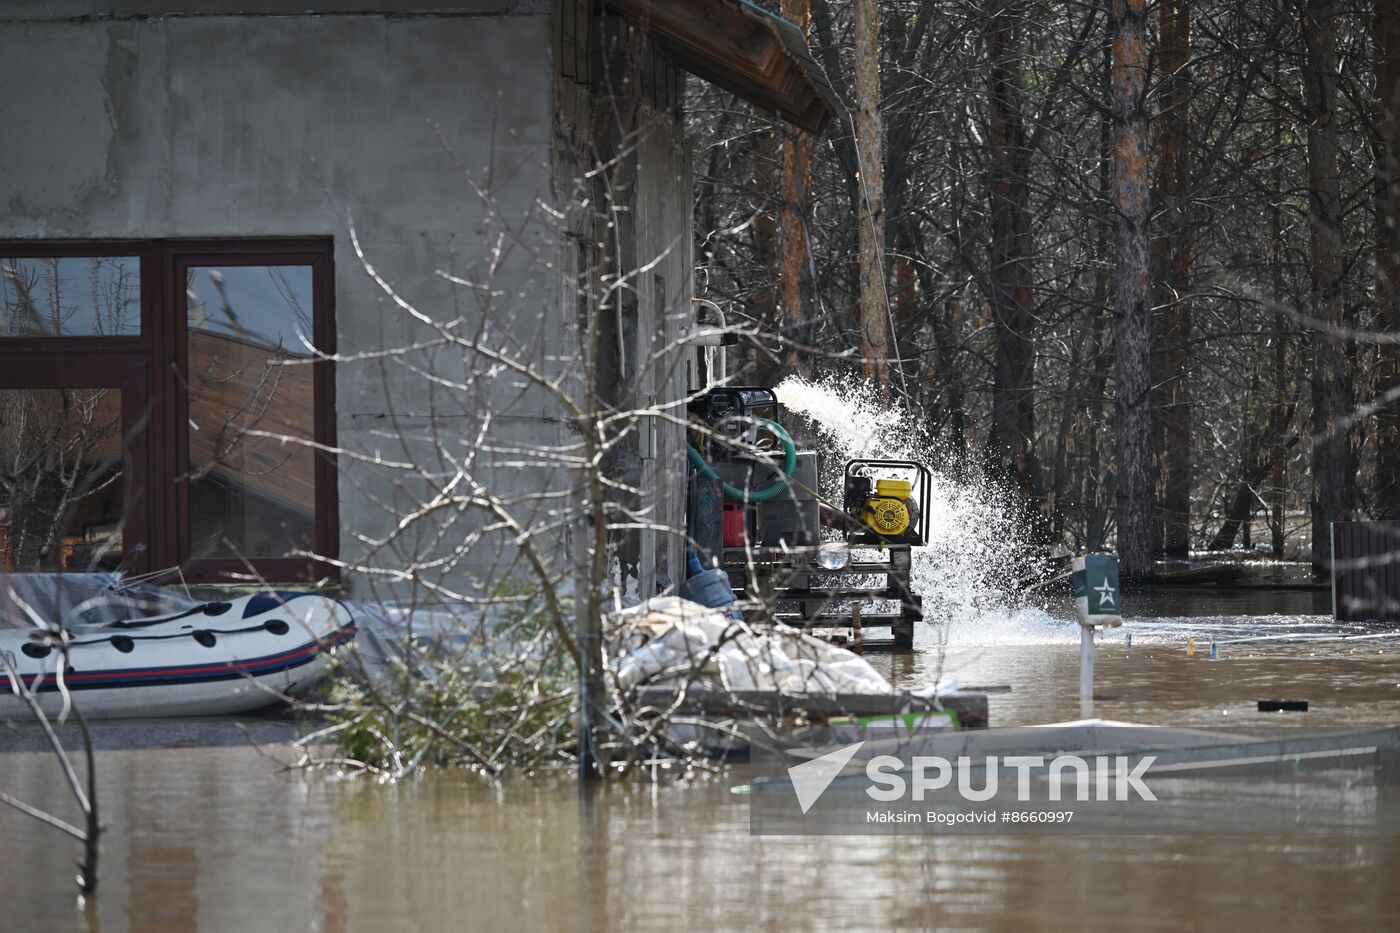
{"type": "Point", "coordinates": [1366, 571]}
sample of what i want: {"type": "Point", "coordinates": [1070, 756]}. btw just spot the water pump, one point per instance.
{"type": "Point", "coordinates": [756, 512]}
{"type": "Point", "coordinates": [880, 496]}
{"type": "Point", "coordinates": [741, 446]}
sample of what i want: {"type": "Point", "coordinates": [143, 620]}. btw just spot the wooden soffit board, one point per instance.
{"type": "Point", "coordinates": [745, 50]}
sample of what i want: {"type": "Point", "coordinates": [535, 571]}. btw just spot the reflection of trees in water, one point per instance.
{"type": "Point", "coordinates": [60, 450]}
{"type": "Point", "coordinates": [94, 296]}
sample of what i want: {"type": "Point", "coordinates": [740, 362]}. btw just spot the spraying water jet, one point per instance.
{"type": "Point", "coordinates": [866, 518]}
{"type": "Point", "coordinates": [783, 543]}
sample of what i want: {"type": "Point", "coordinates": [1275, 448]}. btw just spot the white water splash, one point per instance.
{"type": "Point", "coordinates": [975, 549]}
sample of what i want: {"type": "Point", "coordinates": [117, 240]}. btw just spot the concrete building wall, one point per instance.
{"type": "Point", "coordinates": [429, 132]}
{"type": "Point", "coordinates": [621, 151]}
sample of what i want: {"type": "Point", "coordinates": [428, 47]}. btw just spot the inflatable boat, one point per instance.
{"type": "Point", "coordinates": [215, 658]}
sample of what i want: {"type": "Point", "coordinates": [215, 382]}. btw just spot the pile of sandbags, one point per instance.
{"type": "Point", "coordinates": [671, 640]}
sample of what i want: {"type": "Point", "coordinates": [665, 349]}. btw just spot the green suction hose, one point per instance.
{"type": "Point", "coordinates": [774, 488]}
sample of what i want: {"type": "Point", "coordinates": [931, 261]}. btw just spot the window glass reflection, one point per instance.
{"type": "Point", "coordinates": [87, 296]}
{"type": "Point", "coordinates": [60, 479]}
{"type": "Point", "coordinates": [252, 486]}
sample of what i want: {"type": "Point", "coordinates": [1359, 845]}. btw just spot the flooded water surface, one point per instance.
{"type": "Point", "coordinates": [206, 833]}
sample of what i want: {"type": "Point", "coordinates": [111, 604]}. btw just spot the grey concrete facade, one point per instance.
{"type": "Point", "coordinates": [432, 130]}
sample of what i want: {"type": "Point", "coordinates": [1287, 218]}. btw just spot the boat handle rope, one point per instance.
{"type": "Point", "coordinates": [208, 609]}
{"type": "Point", "coordinates": [268, 626]}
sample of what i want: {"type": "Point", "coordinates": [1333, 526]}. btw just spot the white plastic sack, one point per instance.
{"type": "Point", "coordinates": [669, 638]}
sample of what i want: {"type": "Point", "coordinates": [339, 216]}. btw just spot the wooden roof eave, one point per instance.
{"type": "Point", "coordinates": [745, 50]}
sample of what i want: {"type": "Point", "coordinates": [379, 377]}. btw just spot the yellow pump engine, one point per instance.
{"type": "Point", "coordinates": [887, 512]}
{"type": "Point", "coordinates": [886, 507]}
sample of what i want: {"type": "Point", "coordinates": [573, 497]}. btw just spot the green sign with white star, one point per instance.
{"type": "Point", "coordinates": [1096, 593]}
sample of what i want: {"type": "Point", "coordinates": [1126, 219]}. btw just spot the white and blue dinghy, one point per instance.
{"type": "Point", "coordinates": [215, 658]}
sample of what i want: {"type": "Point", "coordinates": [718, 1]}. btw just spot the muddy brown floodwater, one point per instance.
{"type": "Point", "coordinates": [207, 834]}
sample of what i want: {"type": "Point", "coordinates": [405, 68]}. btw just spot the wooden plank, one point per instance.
{"type": "Point", "coordinates": [742, 49]}
{"type": "Point", "coordinates": [1367, 742]}
{"type": "Point", "coordinates": [970, 706]}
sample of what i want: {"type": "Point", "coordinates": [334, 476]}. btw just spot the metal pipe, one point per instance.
{"type": "Point", "coordinates": [715, 361]}
{"type": "Point", "coordinates": [1086, 672]}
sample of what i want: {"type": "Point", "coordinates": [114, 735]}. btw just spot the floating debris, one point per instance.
{"type": "Point", "coordinates": [1283, 706]}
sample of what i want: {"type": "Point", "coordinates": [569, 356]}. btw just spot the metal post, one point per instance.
{"type": "Point", "coordinates": [1097, 598]}
{"type": "Point", "coordinates": [1086, 672]}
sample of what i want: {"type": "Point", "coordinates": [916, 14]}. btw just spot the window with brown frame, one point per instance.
{"type": "Point", "coordinates": [168, 403]}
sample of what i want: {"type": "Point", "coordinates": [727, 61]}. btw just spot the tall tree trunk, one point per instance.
{"type": "Point", "coordinates": [1279, 492]}
{"type": "Point", "coordinates": [873, 316]}
{"type": "Point", "coordinates": [1011, 443]}
{"type": "Point", "coordinates": [1259, 460]}
{"type": "Point", "coordinates": [1329, 450]}
{"type": "Point", "coordinates": [1385, 30]}
{"type": "Point", "coordinates": [1094, 495]}
{"type": "Point", "coordinates": [1095, 480]}
{"type": "Point", "coordinates": [908, 317]}
{"type": "Point", "coordinates": [842, 145]}
{"type": "Point", "coordinates": [1132, 313]}
{"type": "Point", "coordinates": [794, 276]}
{"type": "Point", "coordinates": [907, 52]}
{"type": "Point", "coordinates": [955, 407]}
{"type": "Point", "coordinates": [1071, 407]}
{"type": "Point", "coordinates": [763, 302]}
{"type": "Point", "coordinates": [1173, 264]}
{"type": "Point", "coordinates": [944, 325]}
